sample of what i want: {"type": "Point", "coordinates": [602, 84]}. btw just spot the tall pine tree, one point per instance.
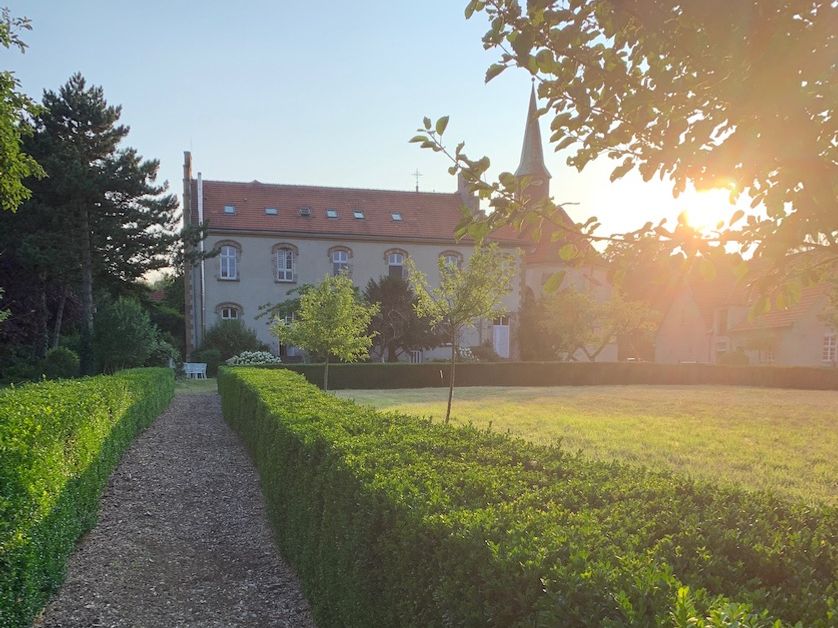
{"type": "Point", "coordinates": [116, 222]}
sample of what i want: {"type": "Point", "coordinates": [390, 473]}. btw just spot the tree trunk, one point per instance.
{"type": "Point", "coordinates": [43, 320]}
{"type": "Point", "coordinates": [86, 353]}
{"type": "Point", "coordinates": [391, 352]}
{"type": "Point", "coordinates": [59, 318]}
{"type": "Point", "coordinates": [451, 380]}
{"type": "Point", "coordinates": [326, 374]}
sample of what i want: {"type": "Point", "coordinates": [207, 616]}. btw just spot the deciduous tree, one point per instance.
{"type": "Point", "coordinates": [331, 321]}
{"type": "Point", "coordinates": [16, 110]}
{"type": "Point", "coordinates": [737, 95]}
{"type": "Point", "coordinates": [466, 294]}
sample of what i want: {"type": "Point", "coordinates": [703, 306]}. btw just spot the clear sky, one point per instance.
{"type": "Point", "coordinates": [312, 93]}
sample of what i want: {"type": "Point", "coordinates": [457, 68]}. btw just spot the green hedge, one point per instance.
{"type": "Point", "coordinates": [391, 520]}
{"type": "Point", "coordinates": [59, 442]}
{"type": "Point", "coordinates": [374, 376]}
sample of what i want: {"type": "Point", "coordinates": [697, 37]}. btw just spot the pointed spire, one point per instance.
{"type": "Point", "coordinates": [532, 155]}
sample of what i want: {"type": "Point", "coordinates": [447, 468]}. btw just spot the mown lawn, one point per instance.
{"type": "Point", "coordinates": [785, 440]}
{"type": "Point", "coordinates": [195, 386]}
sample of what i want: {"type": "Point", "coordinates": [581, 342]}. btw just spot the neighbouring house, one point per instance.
{"type": "Point", "coordinates": [796, 335]}
{"type": "Point", "coordinates": [690, 317]}
{"type": "Point", "coordinates": [708, 321]}
{"type": "Point", "coordinates": [273, 238]}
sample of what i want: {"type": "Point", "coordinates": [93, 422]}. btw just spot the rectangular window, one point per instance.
{"type": "Point", "coordinates": [395, 265]}
{"type": "Point", "coordinates": [229, 313]}
{"type": "Point", "coordinates": [830, 347]}
{"type": "Point", "coordinates": [271, 211]}
{"type": "Point", "coordinates": [397, 216]}
{"type": "Point", "coordinates": [340, 262]}
{"type": "Point", "coordinates": [359, 215]}
{"type": "Point", "coordinates": [228, 261]}
{"type": "Point", "coordinates": [229, 209]}
{"type": "Point", "coordinates": [285, 265]}
{"type": "Point", "coordinates": [305, 212]}
{"type": "Point", "coordinates": [332, 214]}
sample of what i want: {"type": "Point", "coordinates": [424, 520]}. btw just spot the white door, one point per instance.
{"type": "Point", "coordinates": [500, 336]}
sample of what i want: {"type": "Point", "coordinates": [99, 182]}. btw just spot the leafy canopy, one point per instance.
{"type": "Point", "coordinates": [16, 110]}
{"type": "Point", "coordinates": [465, 293]}
{"type": "Point", "coordinates": [723, 95]}
{"type": "Point", "coordinates": [330, 321]}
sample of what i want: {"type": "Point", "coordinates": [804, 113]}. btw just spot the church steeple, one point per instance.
{"type": "Point", "coordinates": [532, 155]}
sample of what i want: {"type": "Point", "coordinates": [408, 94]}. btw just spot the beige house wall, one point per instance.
{"type": "Point", "coordinates": [683, 334]}
{"type": "Point", "coordinates": [256, 284]}
{"type": "Point", "coordinates": [799, 344]}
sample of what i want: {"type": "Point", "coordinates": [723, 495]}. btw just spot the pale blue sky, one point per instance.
{"type": "Point", "coordinates": [284, 92]}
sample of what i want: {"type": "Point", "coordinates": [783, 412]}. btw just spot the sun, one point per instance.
{"type": "Point", "coordinates": [705, 209]}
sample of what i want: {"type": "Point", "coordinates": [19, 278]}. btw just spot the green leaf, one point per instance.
{"type": "Point", "coordinates": [737, 216]}
{"type": "Point", "coordinates": [417, 138]}
{"type": "Point", "coordinates": [554, 282]}
{"type": "Point", "coordinates": [426, 121]}
{"type": "Point", "coordinates": [568, 251]}
{"type": "Point", "coordinates": [493, 71]}
{"type": "Point", "coordinates": [621, 170]}
{"type": "Point", "coordinates": [441, 125]}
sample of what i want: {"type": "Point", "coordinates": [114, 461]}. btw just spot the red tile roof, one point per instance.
{"type": "Point", "coordinates": [809, 297]}
{"type": "Point", "coordinates": [425, 215]}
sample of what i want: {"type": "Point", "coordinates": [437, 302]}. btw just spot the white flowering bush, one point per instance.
{"type": "Point", "coordinates": [253, 357]}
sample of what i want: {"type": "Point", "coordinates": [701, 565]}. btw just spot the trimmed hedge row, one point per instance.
{"type": "Point", "coordinates": [59, 442]}
{"type": "Point", "coordinates": [391, 520]}
{"type": "Point", "coordinates": [374, 376]}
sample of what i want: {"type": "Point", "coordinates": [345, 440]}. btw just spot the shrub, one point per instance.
{"type": "Point", "coordinates": [59, 442]}
{"type": "Point", "coordinates": [392, 520]}
{"type": "Point", "coordinates": [212, 358]}
{"type": "Point", "coordinates": [61, 363]}
{"type": "Point", "coordinates": [252, 358]}
{"type": "Point", "coordinates": [428, 375]}
{"type": "Point", "coordinates": [162, 352]}
{"type": "Point", "coordinates": [230, 338]}
{"type": "Point", "coordinates": [123, 335]}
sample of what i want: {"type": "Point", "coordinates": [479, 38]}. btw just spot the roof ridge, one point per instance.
{"type": "Point", "coordinates": [325, 187]}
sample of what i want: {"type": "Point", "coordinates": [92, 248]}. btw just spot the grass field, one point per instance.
{"type": "Point", "coordinates": [194, 386]}
{"type": "Point", "coordinates": [785, 440]}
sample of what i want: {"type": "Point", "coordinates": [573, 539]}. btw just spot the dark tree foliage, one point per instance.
{"type": "Point", "coordinates": [98, 218]}
{"type": "Point", "coordinates": [397, 328]}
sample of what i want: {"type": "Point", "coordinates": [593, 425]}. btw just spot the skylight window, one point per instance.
{"type": "Point", "coordinates": [305, 212]}
{"type": "Point", "coordinates": [358, 213]}
{"type": "Point", "coordinates": [271, 211]}
{"type": "Point", "coordinates": [397, 216]}
{"type": "Point", "coordinates": [332, 213]}
{"type": "Point", "coordinates": [229, 209]}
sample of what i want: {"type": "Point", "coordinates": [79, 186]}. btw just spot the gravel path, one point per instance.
{"type": "Point", "coordinates": [182, 538]}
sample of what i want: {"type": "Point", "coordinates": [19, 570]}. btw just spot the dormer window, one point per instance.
{"type": "Point", "coordinates": [271, 211]}
{"type": "Point", "coordinates": [358, 213]}
{"type": "Point", "coordinates": [396, 216]}
{"type": "Point", "coordinates": [229, 209]}
{"type": "Point", "coordinates": [332, 214]}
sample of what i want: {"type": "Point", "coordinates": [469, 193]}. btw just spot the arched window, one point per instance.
{"type": "Point", "coordinates": [229, 311]}
{"type": "Point", "coordinates": [395, 262]}
{"type": "Point", "coordinates": [452, 259]}
{"type": "Point", "coordinates": [285, 262]}
{"type": "Point", "coordinates": [340, 255]}
{"type": "Point", "coordinates": [228, 259]}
